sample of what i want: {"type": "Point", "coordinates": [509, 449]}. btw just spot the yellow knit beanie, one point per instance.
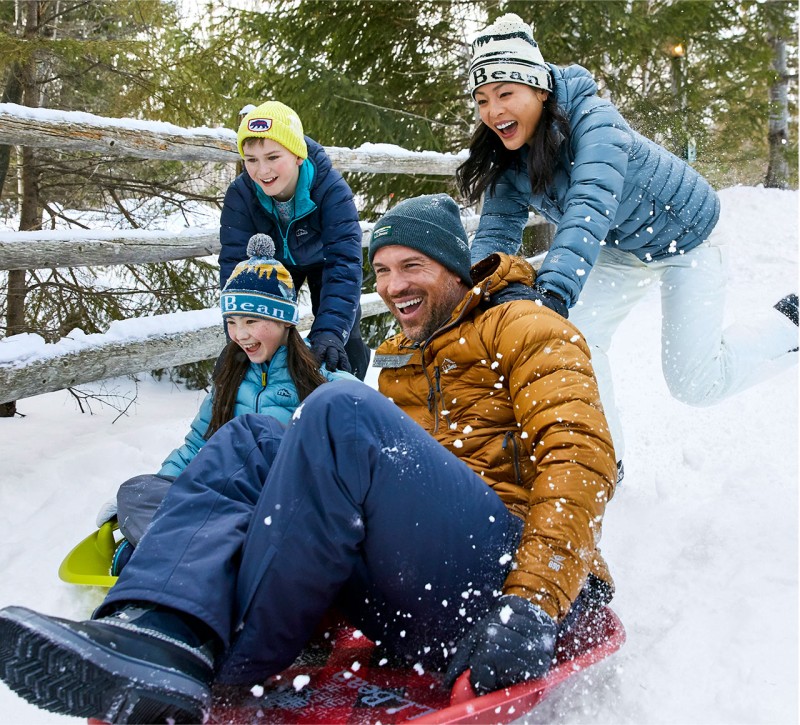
{"type": "Point", "coordinates": [276, 121]}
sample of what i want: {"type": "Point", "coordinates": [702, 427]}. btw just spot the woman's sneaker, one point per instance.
{"type": "Point", "coordinates": [110, 669]}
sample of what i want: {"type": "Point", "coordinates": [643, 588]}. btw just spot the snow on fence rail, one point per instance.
{"type": "Point", "coordinates": [87, 248]}
{"type": "Point", "coordinates": [29, 366]}
{"type": "Point", "coordinates": [20, 125]}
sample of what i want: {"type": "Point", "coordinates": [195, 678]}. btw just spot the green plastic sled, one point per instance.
{"type": "Point", "coordinates": [89, 563]}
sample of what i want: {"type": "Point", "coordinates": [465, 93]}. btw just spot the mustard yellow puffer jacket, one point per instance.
{"type": "Point", "coordinates": [510, 390]}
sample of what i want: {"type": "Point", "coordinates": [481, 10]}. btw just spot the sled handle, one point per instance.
{"type": "Point", "coordinates": [462, 690]}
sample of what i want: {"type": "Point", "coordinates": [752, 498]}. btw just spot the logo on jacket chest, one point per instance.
{"type": "Point", "coordinates": [301, 232]}
{"type": "Point", "coordinates": [283, 393]}
{"type": "Point", "coordinates": [448, 365]}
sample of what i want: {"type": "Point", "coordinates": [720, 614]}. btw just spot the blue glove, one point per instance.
{"type": "Point", "coordinates": [329, 350]}
{"type": "Point", "coordinates": [520, 291]}
{"type": "Point", "coordinates": [514, 642]}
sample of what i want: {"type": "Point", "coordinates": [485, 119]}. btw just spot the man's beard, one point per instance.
{"type": "Point", "coordinates": [440, 312]}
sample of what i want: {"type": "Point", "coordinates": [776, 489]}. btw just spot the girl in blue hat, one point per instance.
{"type": "Point", "coordinates": [266, 368]}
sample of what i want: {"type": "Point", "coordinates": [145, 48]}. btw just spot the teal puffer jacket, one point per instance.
{"type": "Point", "coordinates": [612, 185]}
{"type": "Point", "coordinates": [267, 389]}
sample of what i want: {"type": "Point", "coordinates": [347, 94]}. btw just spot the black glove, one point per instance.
{"type": "Point", "coordinates": [329, 350]}
{"type": "Point", "coordinates": [514, 642]}
{"type": "Point", "coordinates": [520, 291]}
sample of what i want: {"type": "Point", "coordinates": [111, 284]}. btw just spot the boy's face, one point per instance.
{"type": "Point", "coordinates": [272, 166]}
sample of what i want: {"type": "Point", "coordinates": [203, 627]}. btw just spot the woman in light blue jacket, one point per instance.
{"type": "Point", "coordinates": [629, 216]}
{"type": "Point", "coordinates": [267, 368]}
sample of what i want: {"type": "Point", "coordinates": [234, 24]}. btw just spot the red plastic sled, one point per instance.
{"type": "Point", "coordinates": [352, 685]}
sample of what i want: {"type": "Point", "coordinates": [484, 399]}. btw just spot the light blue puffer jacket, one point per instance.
{"type": "Point", "coordinates": [267, 389]}
{"type": "Point", "coordinates": [611, 185]}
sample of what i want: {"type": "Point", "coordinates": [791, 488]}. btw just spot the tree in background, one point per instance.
{"type": "Point", "coordinates": [362, 71]}
{"type": "Point", "coordinates": [781, 23]}
{"type": "Point", "coordinates": [369, 71]}
{"type": "Point", "coordinates": [114, 59]}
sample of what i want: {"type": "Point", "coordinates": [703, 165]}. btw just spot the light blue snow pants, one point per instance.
{"type": "Point", "coordinates": [702, 361]}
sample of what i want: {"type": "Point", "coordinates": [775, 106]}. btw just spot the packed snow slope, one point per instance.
{"type": "Point", "coordinates": [702, 537]}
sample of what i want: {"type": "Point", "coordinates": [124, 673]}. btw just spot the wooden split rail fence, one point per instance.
{"type": "Point", "coordinates": [101, 356]}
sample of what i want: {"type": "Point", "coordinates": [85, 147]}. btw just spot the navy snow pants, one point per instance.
{"type": "Point", "coordinates": [354, 505]}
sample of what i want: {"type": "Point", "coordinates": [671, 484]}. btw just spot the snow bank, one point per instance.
{"type": "Point", "coordinates": [702, 537]}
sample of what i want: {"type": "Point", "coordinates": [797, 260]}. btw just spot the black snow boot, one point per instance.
{"type": "Point", "coordinates": [110, 669]}
{"type": "Point", "coordinates": [788, 307]}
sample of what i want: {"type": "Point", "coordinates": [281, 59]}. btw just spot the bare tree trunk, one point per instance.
{"type": "Point", "coordinates": [30, 220]}
{"type": "Point", "coordinates": [30, 214]}
{"type": "Point", "coordinates": [778, 169]}
{"type": "Point", "coordinates": [12, 93]}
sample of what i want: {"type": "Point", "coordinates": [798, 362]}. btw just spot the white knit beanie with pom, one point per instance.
{"type": "Point", "coordinates": [505, 51]}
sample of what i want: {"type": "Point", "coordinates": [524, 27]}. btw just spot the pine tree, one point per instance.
{"type": "Point", "coordinates": [370, 71]}
{"type": "Point", "coordinates": [107, 58]}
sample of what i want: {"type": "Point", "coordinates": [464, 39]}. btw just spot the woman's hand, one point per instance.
{"type": "Point", "coordinates": [519, 291]}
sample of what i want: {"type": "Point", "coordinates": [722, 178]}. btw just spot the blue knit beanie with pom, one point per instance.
{"type": "Point", "coordinates": [260, 286]}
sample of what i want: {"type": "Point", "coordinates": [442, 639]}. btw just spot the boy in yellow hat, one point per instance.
{"type": "Point", "coordinates": [290, 190]}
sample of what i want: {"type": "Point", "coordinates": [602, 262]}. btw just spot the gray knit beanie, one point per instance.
{"type": "Point", "coordinates": [430, 224]}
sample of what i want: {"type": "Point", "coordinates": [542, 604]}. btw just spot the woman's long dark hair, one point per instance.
{"type": "Point", "coordinates": [303, 369]}
{"type": "Point", "coordinates": [488, 158]}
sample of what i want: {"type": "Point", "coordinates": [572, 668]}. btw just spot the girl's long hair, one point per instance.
{"type": "Point", "coordinates": [488, 159]}
{"type": "Point", "coordinates": [303, 369]}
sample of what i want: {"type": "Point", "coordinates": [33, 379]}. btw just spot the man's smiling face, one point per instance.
{"type": "Point", "coordinates": [419, 292]}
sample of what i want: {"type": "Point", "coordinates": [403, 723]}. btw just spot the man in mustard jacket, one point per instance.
{"type": "Point", "coordinates": [453, 519]}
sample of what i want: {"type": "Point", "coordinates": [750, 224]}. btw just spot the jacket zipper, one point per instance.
{"type": "Point", "coordinates": [285, 237]}
{"type": "Point", "coordinates": [445, 411]}
{"type": "Point", "coordinates": [435, 387]}
{"type": "Point", "coordinates": [264, 377]}
{"type": "Point", "coordinates": [511, 435]}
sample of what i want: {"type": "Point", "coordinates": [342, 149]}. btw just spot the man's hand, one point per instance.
{"type": "Point", "coordinates": [329, 350]}
{"type": "Point", "coordinates": [514, 642]}
{"type": "Point", "coordinates": [519, 291]}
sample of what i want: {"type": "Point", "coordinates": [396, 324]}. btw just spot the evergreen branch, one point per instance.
{"type": "Point", "coordinates": [432, 121]}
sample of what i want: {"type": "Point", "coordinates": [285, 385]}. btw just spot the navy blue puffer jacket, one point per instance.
{"type": "Point", "coordinates": [612, 185]}
{"type": "Point", "coordinates": [325, 233]}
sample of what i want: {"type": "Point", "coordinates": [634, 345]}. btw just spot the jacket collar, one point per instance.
{"type": "Point", "coordinates": [490, 275]}
{"type": "Point", "coordinates": [302, 194]}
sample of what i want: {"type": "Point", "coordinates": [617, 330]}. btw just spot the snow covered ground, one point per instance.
{"type": "Point", "coordinates": [702, 537]}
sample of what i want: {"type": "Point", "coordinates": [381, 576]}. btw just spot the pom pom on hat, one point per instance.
{"type": "Point", "coordinates": [276, 121]}
{"type": "Point", "coordinates": [261, 245]}
{"type": "Point", "coordinates": [260, 286]}
{"type": "Point", "coordinates": [505, 51]}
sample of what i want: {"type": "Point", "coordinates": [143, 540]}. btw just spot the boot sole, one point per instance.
{"type": "Point", "coordinates": [64, 672]}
